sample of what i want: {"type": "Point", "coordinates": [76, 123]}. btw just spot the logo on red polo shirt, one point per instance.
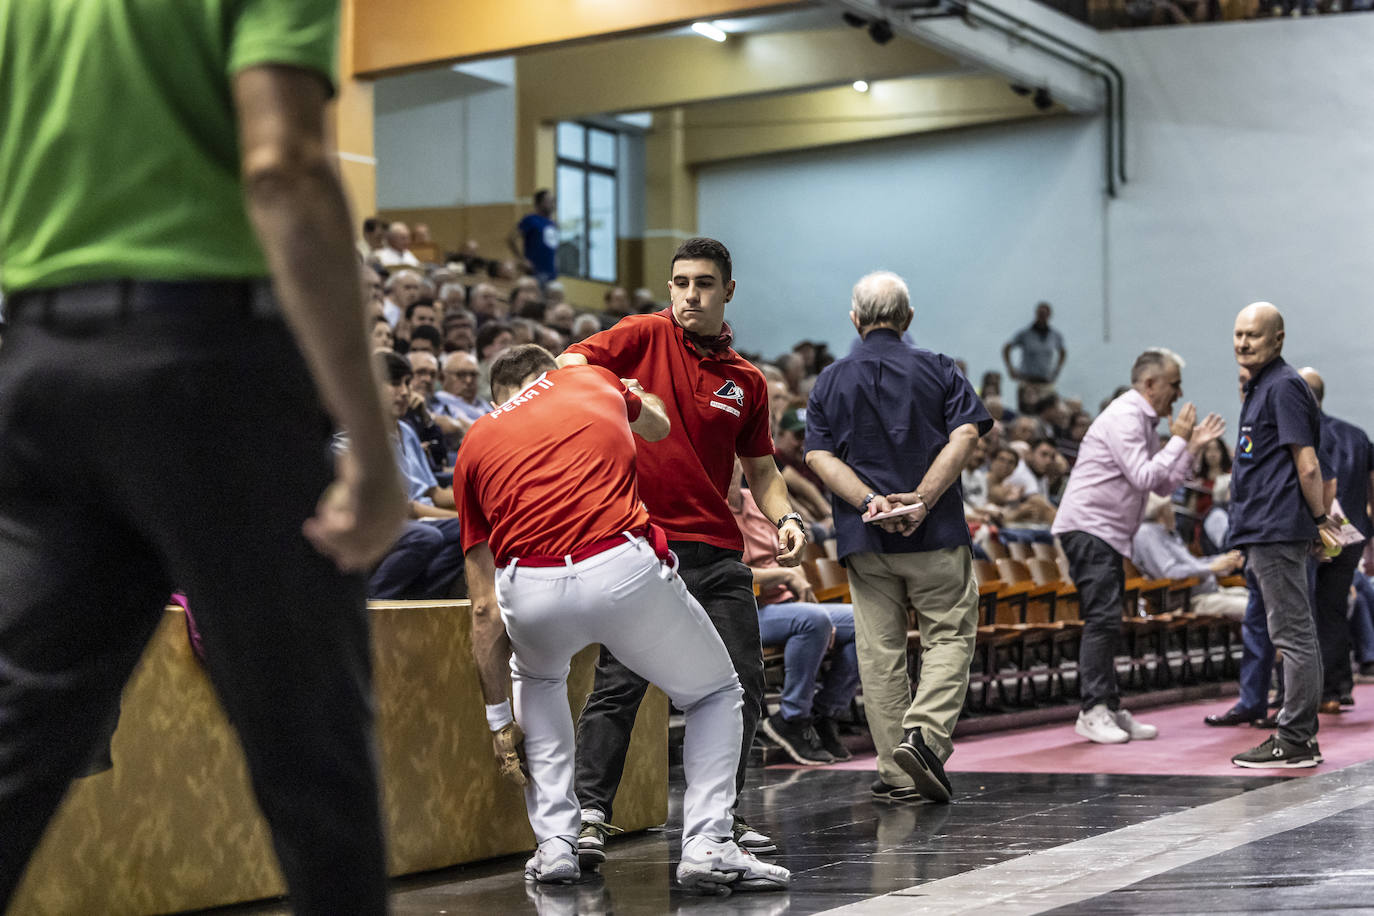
{"type": "Point", "coordinates": [729, 391]}
{"type": "Point", "coordinates": [732, 391]}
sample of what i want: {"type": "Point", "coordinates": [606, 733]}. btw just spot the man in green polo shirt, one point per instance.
{"type": "Point", "coordinates": [158, 163]}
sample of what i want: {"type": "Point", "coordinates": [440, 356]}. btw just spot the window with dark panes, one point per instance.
{"type": "Point", "coordinates": [586, 188]}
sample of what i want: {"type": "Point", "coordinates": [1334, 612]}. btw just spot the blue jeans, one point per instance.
{"type": "Point", "coordinates": [424, 562]}
{"type": "Point", "coordinates": [803, 630]}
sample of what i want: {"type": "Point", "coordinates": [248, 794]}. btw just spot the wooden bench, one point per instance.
{"type": "Point", "coordinates": [174, 826]}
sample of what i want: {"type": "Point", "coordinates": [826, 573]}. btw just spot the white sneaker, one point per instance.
{"type": "Point", "coordinates": [554, 862]}
{"type": "Point", "coordinates": [1138, 731]}
{"type": "Point", "coordinates": [1099, 724]}
{"type": "Point", "coordinates": [715, 865]}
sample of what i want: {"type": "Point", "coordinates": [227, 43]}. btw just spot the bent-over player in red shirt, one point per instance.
{"type": "Point", "coordinates": [560, 550]}
{"type": "Point", "coordinates": [718, 405]}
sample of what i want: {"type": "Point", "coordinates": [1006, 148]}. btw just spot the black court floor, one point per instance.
{"type": "Point", "coordinates": [1009, 843]}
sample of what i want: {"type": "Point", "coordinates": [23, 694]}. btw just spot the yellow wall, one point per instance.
{"type": "Point", "coordinates": [350, 126]}
{"type": "Point", "coordinates": [400, 34]}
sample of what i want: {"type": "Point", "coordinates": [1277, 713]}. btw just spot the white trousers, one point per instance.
{"type": "Point", "coordinates": [627, 600]}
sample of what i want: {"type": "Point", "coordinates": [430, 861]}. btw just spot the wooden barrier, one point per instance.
{"type": "Point", "coordinates": [174, 826]}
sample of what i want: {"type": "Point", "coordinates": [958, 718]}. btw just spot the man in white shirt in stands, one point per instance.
{"type": "Point", "coordinates": [397, 251]}
{"type": "Point", "coordinates": [1160, 553]}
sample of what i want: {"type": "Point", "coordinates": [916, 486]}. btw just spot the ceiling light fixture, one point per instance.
{"type": "Point", "coordinates": [861, 85]}
{"type": "Point", "coordinates": [709, 30]}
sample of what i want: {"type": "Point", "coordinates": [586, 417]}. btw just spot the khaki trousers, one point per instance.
{"type": "Point", "coordinates": [939, 585]}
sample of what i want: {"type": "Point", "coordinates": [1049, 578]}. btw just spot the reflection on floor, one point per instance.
{"type": "Point", "coordinates": [1186, 835]}
{"type": "Point", "coordinates": [842, 847]}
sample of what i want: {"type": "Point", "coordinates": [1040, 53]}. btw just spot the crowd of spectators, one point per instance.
{"type": "Point", "coordinates": [1104, 14]}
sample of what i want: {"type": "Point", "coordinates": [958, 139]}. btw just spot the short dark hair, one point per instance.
{"type": "Point", "coordinates": [392, 366]}
{"type": "Point", "coordinates": [427, 332]}
{"type": "Point", "coordinates": [488, 333]}
{"type": "Point", "coordinates": [1006, 450]}
{"type": "Point", "coordinates": [704, 249]}
{"type": "Point", "coordinates": [1036, 443]}
{"type": "Point", "coordinates": [422, 302]}
{"type": "Point", "coordinates": [373, 223]}
{"type": "Point", "coordinates": [540, 196]}
{"type": "Point", "coordinates": [518, 363]}
{"type": "Point", "coordinates": [1041, 405]}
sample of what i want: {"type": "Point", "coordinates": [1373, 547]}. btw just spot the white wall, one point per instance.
{"type": "Point", "coordinates": [1252, 177]}
{"type": "Point", "coordinates": [444, 139]}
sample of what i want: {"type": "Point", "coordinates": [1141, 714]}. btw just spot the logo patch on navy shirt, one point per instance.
{"type": "Point", "coordinates": [732, 391]}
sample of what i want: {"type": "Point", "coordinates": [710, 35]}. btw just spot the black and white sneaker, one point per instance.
{"type": "Point", "coordinates": [829, 733]}
{"type": "Point", "coordinates": [923, 766]}
{"type": "Point", "coordinates": [591, 843]}
{"type": "Point", "coordinates": [905, 795]}
{"type": "Point", "coordinates": [798, 739]}
{"type": "Point", "coordinates": [1276, 753]}
{"type": "Point", "coordinates": [751, 840]}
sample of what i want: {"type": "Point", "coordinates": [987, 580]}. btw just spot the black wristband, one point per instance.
{"type": "Point", "coordinates": [1320, 519]}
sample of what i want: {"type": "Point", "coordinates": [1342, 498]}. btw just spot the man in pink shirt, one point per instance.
{"type": "Point", "coordinates": [1120, 463]}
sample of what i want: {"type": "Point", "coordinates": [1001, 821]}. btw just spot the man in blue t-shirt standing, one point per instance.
{"type": "Point", "coordinates": [1277, 508]}
{"type": "Point", "coordinates": [535, 238]}
{"type": "Point", "coordinates": [891, 426]}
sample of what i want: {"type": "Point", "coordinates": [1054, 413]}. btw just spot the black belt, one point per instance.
{"type": "Point", "coordinates": [122, 299]}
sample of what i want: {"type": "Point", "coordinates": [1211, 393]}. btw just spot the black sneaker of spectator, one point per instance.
{"type": "Point", "coordinates": [889, 793]}
{"type": "Point", "coordinates": [1276, 753]}
{"type": "Point", "coordinates": [829, 732]}
{"type": "Point", "coordinates": [798, 738]}
{"type": "Point", "coordinates": [923, 766]}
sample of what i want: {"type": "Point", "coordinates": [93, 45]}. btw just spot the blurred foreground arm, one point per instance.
{"type": "Point", "coordinates": [297, 207]}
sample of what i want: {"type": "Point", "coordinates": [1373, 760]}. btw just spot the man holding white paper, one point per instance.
{"type": "Point", "coordinates": [890, 427]}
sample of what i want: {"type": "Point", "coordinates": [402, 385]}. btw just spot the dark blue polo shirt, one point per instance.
{"type": "Point", "coordinates": [886, 410]}
{"type": "Point", "coordinates": [1267, 505]}
{"type": "Point", "coordinates": [1346, 448]}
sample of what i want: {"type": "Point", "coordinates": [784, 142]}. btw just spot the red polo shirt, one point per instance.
{"type": "Point", "coordinates": [553, 469]}
{"type": "Point", "coordinates": [718, 407]}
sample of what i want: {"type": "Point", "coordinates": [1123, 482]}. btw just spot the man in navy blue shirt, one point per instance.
{"type": "Point", "coordinates": [1346, 449]}
{"type": "Point", "coordinates": [535, 239]}
{"type": "Point", "coordinates": [1277, 505]}
{"type": "Point", "coordinates": [890, 426]}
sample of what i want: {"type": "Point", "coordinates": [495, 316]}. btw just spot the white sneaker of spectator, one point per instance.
{"type": "Point", "coordinates": [1099, 724]}
{"type": "Point", "coordinates": [1138, 731]}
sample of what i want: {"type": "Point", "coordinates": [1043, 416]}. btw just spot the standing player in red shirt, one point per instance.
{"type": "Point", "coordinates": [718, 405]}
{"type": "Point", "coordinates": [546, 489]}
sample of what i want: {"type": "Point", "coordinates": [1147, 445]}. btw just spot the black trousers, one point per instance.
{"type": "Point", "coordinates": [1332, 607]}
{"type": "Point", "coordinates": [152, 450]}
{"type": "Point", "coordinates": [724, 586]}
{"type": "Point", "coordinates": [1101, 582]}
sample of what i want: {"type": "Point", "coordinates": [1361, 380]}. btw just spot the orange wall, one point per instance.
{"type": "Point", "coordinates": [399, 34]}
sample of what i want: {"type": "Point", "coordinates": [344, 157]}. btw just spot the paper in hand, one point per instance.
{"type": "Point", "coordinates": [894, 513]}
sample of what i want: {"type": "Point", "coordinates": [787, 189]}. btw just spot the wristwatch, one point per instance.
{"type": "Point", "coordinates": [1320, 519]}
{"type": "Point", "coordinates": [868, 499]}
{"type": "Point", "coordinates": [794, 517]}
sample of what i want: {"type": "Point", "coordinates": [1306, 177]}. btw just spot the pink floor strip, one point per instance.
{"type": "Point", "coordinates": [1185, 745]}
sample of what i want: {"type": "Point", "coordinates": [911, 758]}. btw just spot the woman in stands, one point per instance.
{"type": "Point", "coordinates": [1209, 488]}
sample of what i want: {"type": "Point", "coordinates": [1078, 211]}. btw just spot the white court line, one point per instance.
{"type": "Point", "coordinates": [1088, 868]}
